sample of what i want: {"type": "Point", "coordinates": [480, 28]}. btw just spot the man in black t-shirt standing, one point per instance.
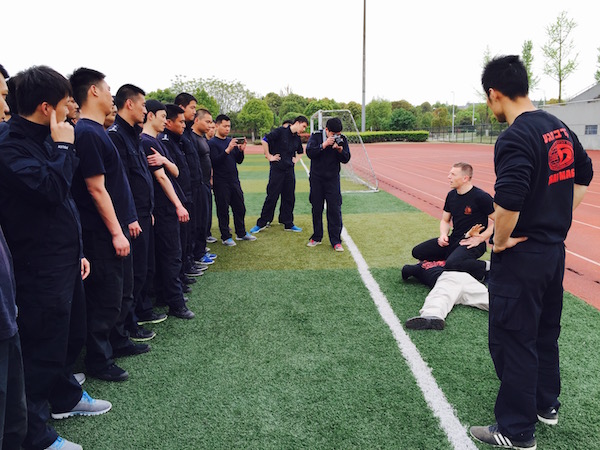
{"type": "Point", "coordinates": [282, 148]}
{"type": "Point", "coordinates": [542, 174]}
{"type": "Point", "coordinates": [466, 205]}
{"type": "Point", "coordinates": [108, 217]}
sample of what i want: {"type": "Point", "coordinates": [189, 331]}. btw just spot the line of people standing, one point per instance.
{"type": "Point", "coordinates": [87, 212]}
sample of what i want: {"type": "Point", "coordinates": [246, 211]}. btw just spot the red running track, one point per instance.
{"type": "Point", "coordinates": [417, 173]}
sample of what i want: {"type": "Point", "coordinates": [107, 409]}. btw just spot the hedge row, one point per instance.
{"type": "Point", "coordinates": [370, 137]}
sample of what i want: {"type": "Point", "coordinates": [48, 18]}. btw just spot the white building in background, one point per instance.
{"type": "Point", "coordinates": [582, 115]}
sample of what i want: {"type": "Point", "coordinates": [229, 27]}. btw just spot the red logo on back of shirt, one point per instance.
{"type": "Point", "coordinates": [561, 155]}
{"type": "Point", "coordinates": [468, 211]}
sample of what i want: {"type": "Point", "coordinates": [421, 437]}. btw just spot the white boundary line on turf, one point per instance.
{"type": "Point", "coordinates": [435, 398]}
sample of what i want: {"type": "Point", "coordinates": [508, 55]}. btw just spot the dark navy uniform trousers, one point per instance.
{"type": "Point", "coordinates": [526, 295]}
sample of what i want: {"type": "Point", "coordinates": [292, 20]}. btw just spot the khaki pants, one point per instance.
{"type": "Point", "coordinates": [455, 288]}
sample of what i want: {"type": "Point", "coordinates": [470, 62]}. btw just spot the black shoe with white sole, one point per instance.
{"type": "Point", "coordinates": [490, 435]}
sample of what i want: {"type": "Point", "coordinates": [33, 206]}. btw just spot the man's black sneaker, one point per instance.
{"type": "Point", "coordinates": [490, 435]}
{"type": "Point", "coordinates": [181, 313]}
{"type": "Point", "coordinates": [193, 272]}
{"type": "Point", "coordinates": [425, 323]}
{"type": "Point", "coordinates": [409, 270]}
{"type": "Point", "coordinates": [187, 280]}
{"type": "Point", "coordinates": [140, 334]}
{"type": "Point", "coordinates": [111, 373]}
{"type": "Point", "coordinates": [153, 317]}
{"type": "Point", "coordinates": [131, 350]}
{"type": "Point", "coordinates": [549, 416]}
{"type": "Point", "coordinates": [185, 288]}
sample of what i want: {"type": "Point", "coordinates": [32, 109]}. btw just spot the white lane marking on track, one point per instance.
{"type": "Point", "coordinates": [583, 257]}
{"type": "Point", "coordinates": [434, 397]}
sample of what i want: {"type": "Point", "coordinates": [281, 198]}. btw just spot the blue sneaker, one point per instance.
{"type": "Point", "coordinates": [206, 260]}
{"type": "Point", "coordinates": [294, 228]}
{"type": "Point", "coordinates": [211, 255]}
{"type": "Point", "coordinates": [246, 237]}
{"type": "Point", "coordinates": [63, 444]}
{"type": "Point", "coordinates": [229, 242]}
{"type": "Point", "coordinates": [256, 229]}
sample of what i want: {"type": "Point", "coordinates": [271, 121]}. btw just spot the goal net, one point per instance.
{"type": "Point", "coordinates": [357, 175]}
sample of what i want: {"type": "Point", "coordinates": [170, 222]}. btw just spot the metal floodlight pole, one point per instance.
{"type": "Point", "coordinates": [363, 114]}
{"type": "Point", "coordinates": [452, 114]}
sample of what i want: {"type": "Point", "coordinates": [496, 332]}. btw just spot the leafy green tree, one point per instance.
{"type": "Point", "coordinates": [292, 102]}
{"type": "Point", "coordinates": [464, 117]}
{"type": "Point", "coordinates": [402, 104]}
{"type": "Point", "coordinates": [441, 117]}
{"type": "Point", "coordinates": [424, 120]}
{"type": "Point", "coordinates": [162, 95]}
{"type": "Point", "coordinates": [274, 101]}
{"type": "Point", "coordinates": [230, 95]}
{"type": "Point", "coordinates": [402, 120]}
{"type": "Point", "coordinates": [356, 110]}
{"type": "Point", "coordinates": [527, 55]}
{"type": "Point", "coordinates": [256, 116]}
{"type": "Point", "coordinates": [558, 49]}
{"type": "Point", "coordinates": [207, 102]}
{"type": "Point", "coordinates": [378, 112]}
{"type": "Point", "coordinates": [425, 107]}
{"type": "Point", "coordinates": [324, 104]}
{"type": "Point", "coordinates": [597, 74]}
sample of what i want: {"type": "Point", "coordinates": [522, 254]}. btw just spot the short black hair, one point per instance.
{"type": "Point", "coordinates": [202, 112]}
{"type": "Point", "coordinates": [184, 99]}
{"type": "Point", "coordinates": [154, 106]}
{"type": "Point", "coordinates": [126, 92]}
{"type": "Point", "coordinates": [40, 84]}
{"type": "Point", "coordinates": [3, 72]}
{"type": "Point", "coordinates": [172, 110]}
{"type": "Point", "coordinates": [301, 119]}
{"type": "Point", "coordinates": [11, 98]}
{"type": "Point", "coordinates": [334, 124]}
{"type": "Point", "coordinates": [506, 74]}
{"type": "Point", "coordinates": [81, 80]}
{"type": "Point", "coordinates": [221, 117]}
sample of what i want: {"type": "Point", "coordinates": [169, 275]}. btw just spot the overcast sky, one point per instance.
{"type": "Point", "coordinates": [418, 50]}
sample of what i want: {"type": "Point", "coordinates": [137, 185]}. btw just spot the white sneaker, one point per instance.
{"type": "Point", "coordinates": [63, 444]}
{"type": "Point", "coordinates": [246, 237]}
{"type": "Point", "coordinates": [87, 406]}
{"type": "Point", "coordinates": [80, 377]}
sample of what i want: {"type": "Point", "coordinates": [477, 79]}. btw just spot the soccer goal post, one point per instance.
{"type": "Point", "coordinates": [358, 175]}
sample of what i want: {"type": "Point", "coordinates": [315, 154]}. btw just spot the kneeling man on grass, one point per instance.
{"type": "Point", "coordinates": [327, 149]}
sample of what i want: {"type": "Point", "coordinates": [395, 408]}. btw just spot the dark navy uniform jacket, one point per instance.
{"type": "Point", "coordinates": [127, 141]}
{"type": "Point", "coordinates": [224, 165]}
{"type": "Point", "coordinates": [204, 156]}
{"type": "Point", "coordinates": [191, 154]}
{"type": "Point", "coordinates": [285, 143]}
{"type": "Point", "coordinates": [325, 163]}
{"type": "Point", "coordinates": [174, 145]}
{"type": "Point", "coordinates": [161, 200]}
{"type": "Point", "coordinates": [37, 213]}
{"type": "Point", "coordinates": [8, 292]}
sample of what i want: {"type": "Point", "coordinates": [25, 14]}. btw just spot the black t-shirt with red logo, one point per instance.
{"type": "Point", "coordinates": [538, 159]}
{"type": "Point", "coordinates": [468, 209]}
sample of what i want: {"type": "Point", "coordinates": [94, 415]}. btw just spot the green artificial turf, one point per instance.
{"type": "Point", "coordinates": [288, 351]}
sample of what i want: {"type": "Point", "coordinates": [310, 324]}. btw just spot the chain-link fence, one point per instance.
{"type": "Point", "coordinates": [480, 134]}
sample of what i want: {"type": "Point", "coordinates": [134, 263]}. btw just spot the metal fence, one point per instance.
{"type": "Point", "coordinates": [480, 134]}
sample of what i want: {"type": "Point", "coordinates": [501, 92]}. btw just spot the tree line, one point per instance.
{"type": "Point", "coordinates": [257, 115]}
